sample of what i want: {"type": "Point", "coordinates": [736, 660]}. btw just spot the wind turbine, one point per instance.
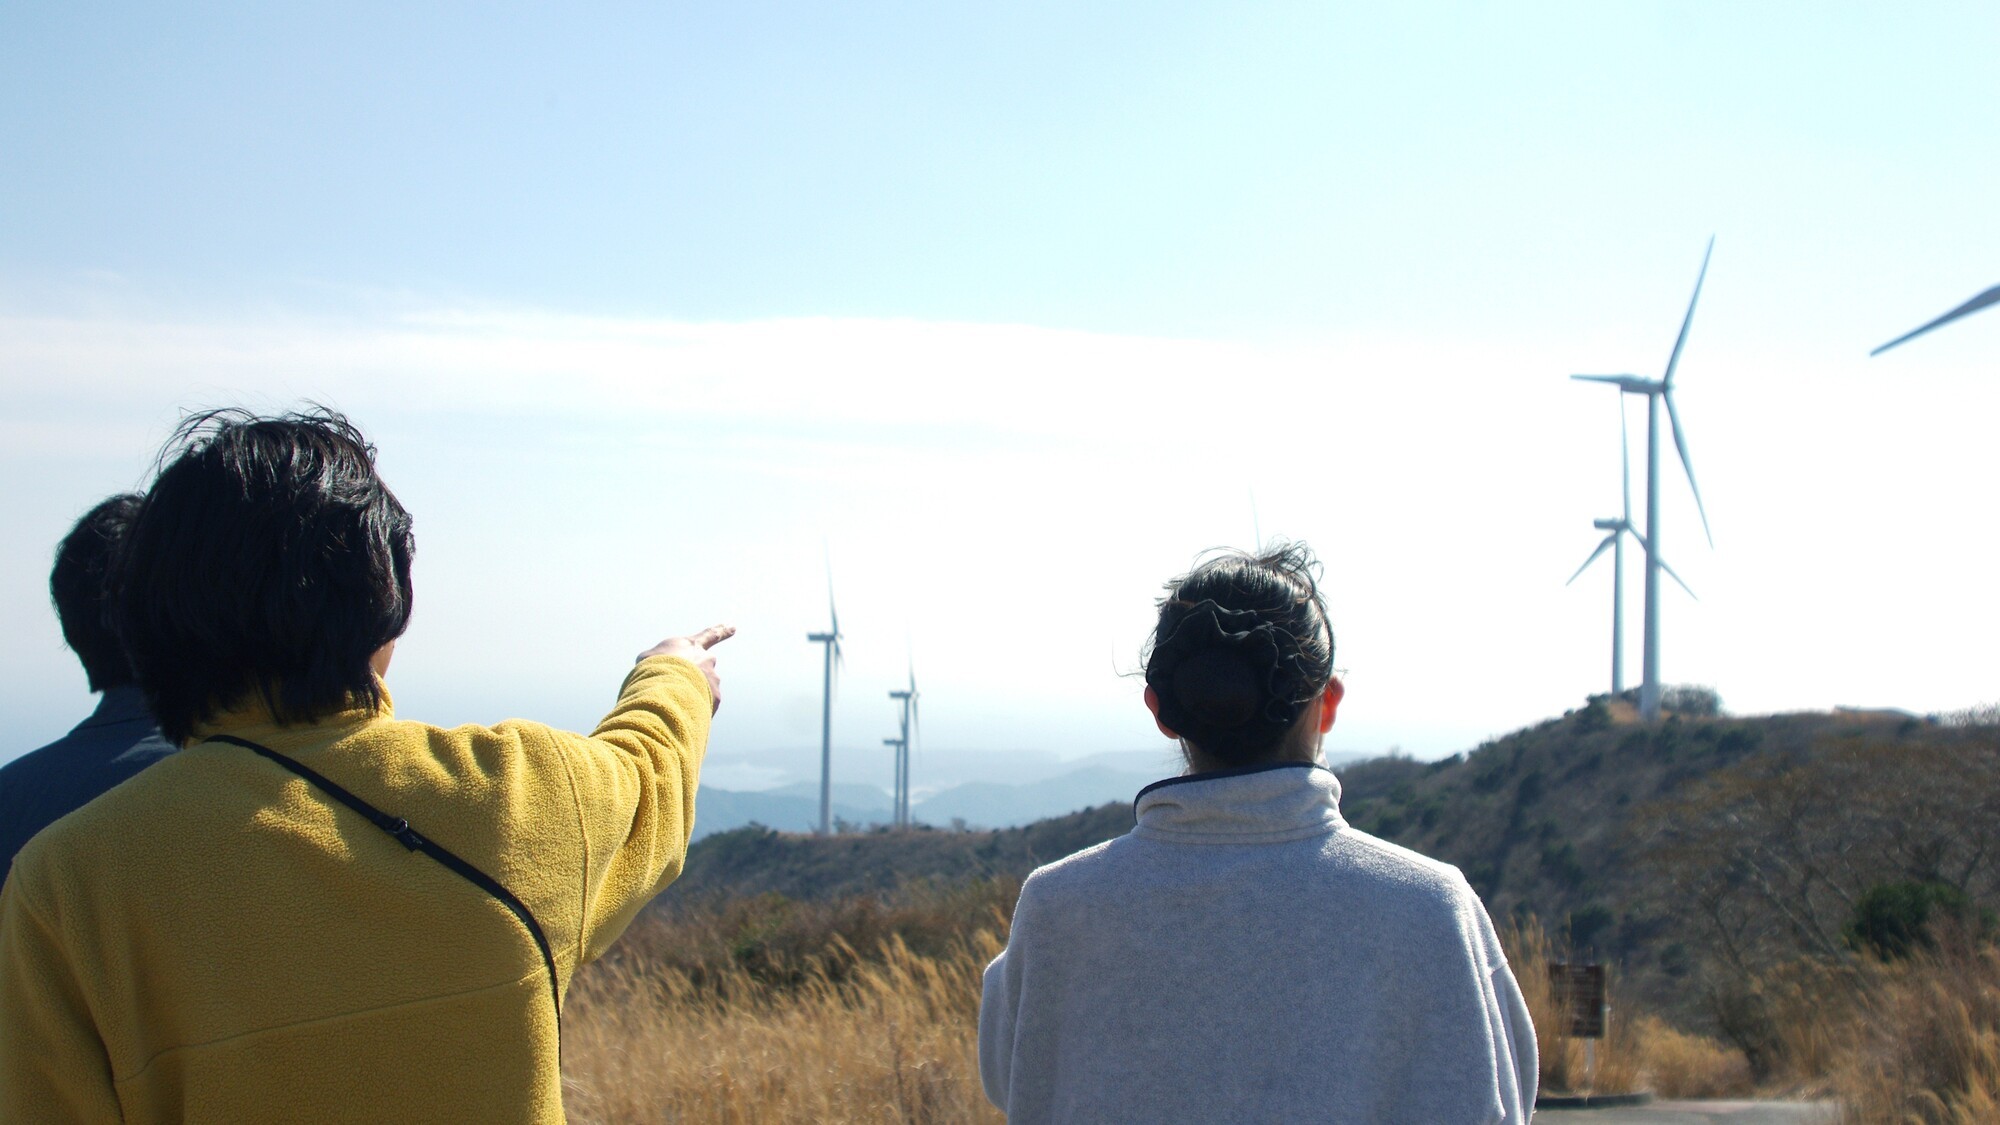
{"type": "Point", "coordinates": [1990, 297]}
{"type": "Point", "coordinates": [1658, 391]}
{"type": "Point", "coordinates": [908, 698]}
{"type": "Point", "coordinates": [1615, 541]}
{"type": "Point", "coordinates": [831, 639]}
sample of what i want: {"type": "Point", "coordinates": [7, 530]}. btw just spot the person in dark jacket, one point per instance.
{"type": "Point", "coordinates": [119, 738]}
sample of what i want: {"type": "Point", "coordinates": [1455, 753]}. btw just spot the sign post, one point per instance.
{"type": "Point", "coordinates": [1579, 996]}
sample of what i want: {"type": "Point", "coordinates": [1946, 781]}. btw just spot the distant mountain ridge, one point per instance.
{"type": "Point", "coordinates": [1098, 780]}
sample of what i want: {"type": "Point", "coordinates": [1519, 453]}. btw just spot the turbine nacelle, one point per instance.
{"type": "Point", "coordinates": [1630, 384]}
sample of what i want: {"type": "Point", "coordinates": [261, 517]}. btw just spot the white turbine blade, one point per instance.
{"type": "Point", "coordinates": [1680, 443]}
{"type": "Point", "coordinates": [1674, 360]}
{"type": "Point", "coordinates": [832, 609]}
{"type": "Point", "coordinates": [1601, 547]}
{"type": "Point", "coordinates": [1990, 297]}
{"type": "Point", "coordinates": [1677, 578]}
{"type": "Point", "coordinates": [1648, 548]}
{"type": "Point", "coordinates": [1624, 459]}
{"type": "Point", "coordinates": [1614, 380]}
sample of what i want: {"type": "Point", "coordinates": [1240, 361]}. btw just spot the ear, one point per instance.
{"type": "Point", "coordinates": [1329, 702]}
{"type": "Point", "coordinates": [1153, 705]}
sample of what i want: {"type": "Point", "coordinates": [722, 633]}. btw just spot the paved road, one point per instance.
{"type": "Point", "coordinates": [1696, 1113]}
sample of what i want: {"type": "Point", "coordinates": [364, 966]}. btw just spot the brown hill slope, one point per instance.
{"type": "Point", "coordinates": [1541, 821]}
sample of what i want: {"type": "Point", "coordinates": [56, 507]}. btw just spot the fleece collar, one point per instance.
{"type": "Point", "coordinates": [1250, 805]}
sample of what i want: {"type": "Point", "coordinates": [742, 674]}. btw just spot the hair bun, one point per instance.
{"type": "Point", "coordinates": [1226, 670]}
{"type": "Point", "coordinates": [1218, 689]}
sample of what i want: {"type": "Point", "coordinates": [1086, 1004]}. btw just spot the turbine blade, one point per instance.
{"type": "Point", "coordinates": [1674, 360]}
{"type": "Point", "coordinates": [1680, 443]}
{"type": "Point", "coordinates": [1612, 379]}
{"type": "Point", "coordinates": [832, 610]}
{"type": "Point", "coordinates": [1625, 459]}
{"type": "Point", "coordinates": [1601, 548]}
{"type": "Point", "coordinates": [1990, 297]}
{"type": "Point", "coordinates": [1677, 578]}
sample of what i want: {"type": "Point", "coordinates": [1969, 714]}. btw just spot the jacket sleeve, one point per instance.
{"type": "Point", "coordinates": [634, 780]}
{"type": "Point", "coordinates": [53, 1065]}
{"type": "Point", "coordinates": [1513, 1029]}
{"type": "Point", "coordinates": [1520, 1041]}
{"type": "Point", "coordinates": [996, 1031]}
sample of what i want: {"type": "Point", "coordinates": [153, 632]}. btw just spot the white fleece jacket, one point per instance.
{"type": "Point", "coordinates": [1244, 956]}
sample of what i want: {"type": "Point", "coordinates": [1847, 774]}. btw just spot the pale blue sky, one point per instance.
{"type": "Point", "coordinates": [1081, 276]}
{"type": "Point", "coordinates": [1156, 168]}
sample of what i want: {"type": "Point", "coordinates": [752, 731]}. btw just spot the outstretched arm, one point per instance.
{"type": "Point", "coordinates": [634, 779]}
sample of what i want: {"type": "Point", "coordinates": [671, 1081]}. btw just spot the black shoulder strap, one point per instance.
{"type": "Point", "coordinates": [410, 838]}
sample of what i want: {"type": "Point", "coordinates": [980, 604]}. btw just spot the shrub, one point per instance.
{"type": "Point", "coordinates": [1697, 700]}
{"type": "Point", "coordinates": [1894, 919]}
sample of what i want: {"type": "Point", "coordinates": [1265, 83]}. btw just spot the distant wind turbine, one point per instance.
{"type": "Point", "coordinates": [1615, 541]}
{"type": "Point", "coordinates": [1990, 297]}
{"type": "Point", "coordinates": [831, 639]}
{"type": "Point", "coordinates": [908, 698]}
{"type": "Point", "coordinates": [1658, 391]}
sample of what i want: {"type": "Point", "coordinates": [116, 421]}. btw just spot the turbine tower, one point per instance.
{"type": "Point", "coordinates": [831, 639]}
{"type": "Point", "coordinates": [1619, 528]}
{"type": "Point", "coordinates": [908, 698]}
{"type": "Point", "coordinates": [1658, 391]}
{"type": "Point", "coordinates": [1990, 297]}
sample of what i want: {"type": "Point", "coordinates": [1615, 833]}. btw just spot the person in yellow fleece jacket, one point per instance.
{"type": "Point", "coordinates": [318, 912]}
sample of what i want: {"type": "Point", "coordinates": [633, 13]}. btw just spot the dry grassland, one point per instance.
{"type": "Point", "coordinates": [1921, 1042]}
{"type": "Point", "coordinates": [774, 1011]}
{"type": "Point", "coordinates": [769, 1011]}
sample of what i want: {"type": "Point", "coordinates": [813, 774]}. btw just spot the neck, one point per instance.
{"type": "Point", "coordinates": [1199, 762]}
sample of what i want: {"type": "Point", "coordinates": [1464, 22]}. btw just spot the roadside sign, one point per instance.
{"type": "Point", "coordinates": [1579, 996]}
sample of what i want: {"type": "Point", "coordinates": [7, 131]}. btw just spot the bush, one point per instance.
{"type": "Point", "coordinates": [1697, 700]}
{"type": "Point", "coordinates": [1893, 920]}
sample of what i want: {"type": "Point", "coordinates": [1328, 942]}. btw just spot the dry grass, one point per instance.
{"type": "Point", "coordinates": [769, 1011]}
{"type": "Point", "coordinates": [1924, 1041]}
{"type": "Point", "coordinates": [1639, 1052]}
{"type": "Point", "coordinates": [1679, 1064]}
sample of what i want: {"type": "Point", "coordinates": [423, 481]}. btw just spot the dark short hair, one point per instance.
{"type": "Point", "coordinates": [1241, 647]}
{"type": "Point", "coordinates": [78, 586]}
{"type": "Point", "coordinates": [268, 560]}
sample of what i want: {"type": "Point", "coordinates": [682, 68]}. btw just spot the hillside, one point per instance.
{"type": "Point", "coordinates": [1542, 821]}
{"type": "Point", "coordinates": [757, 860]}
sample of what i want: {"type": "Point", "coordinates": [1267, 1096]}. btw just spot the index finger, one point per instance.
{"type": "Point", "coordinates": [713, 635]}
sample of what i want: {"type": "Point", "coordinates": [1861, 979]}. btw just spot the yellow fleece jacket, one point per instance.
{"type": "Point", "coordinates": [218, 941]}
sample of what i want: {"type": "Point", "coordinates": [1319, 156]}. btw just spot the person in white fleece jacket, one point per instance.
{"type": "Point", "coordinates": [1243, 955]}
